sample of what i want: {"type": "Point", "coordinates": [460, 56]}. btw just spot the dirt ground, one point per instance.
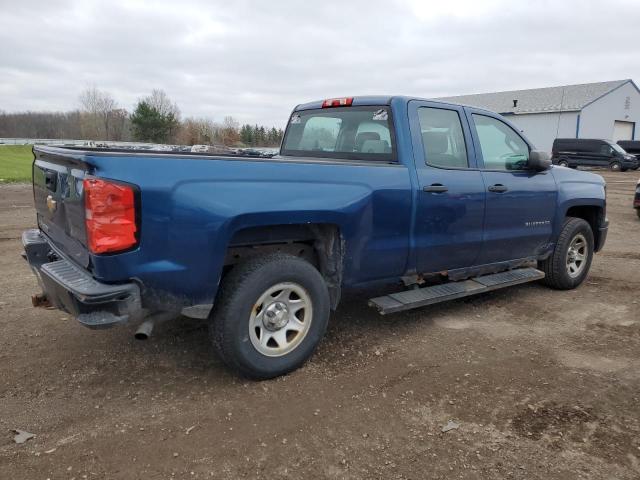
{"type": "Point", "coordinates": [542, 384]}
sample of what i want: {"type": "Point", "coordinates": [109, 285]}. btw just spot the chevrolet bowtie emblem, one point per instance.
{"type": "Point", "coordinates": [51, 204]}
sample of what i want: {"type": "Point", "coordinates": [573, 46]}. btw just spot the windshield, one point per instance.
{"type": "Point", "coordinates": [351, 133]}
{"type": "Point", "coordinates": [618, 148]}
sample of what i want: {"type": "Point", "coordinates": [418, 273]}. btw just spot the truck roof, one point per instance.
{"type": "Point", "coordinates": [367, 100]}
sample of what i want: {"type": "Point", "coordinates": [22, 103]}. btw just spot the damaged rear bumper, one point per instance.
{"type": "Point", "coordinates": [72, 289]}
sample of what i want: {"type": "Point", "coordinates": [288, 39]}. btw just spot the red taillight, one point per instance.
{"type": "Point", "coordinates": [110, 216]}
{"type": "Point", "coordinates": [337, 102]}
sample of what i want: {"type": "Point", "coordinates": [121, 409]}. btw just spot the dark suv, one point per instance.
{"type": "Point", "coordinates": [575, 152]}
{"type": "Point", "coordinates": [636, 199]}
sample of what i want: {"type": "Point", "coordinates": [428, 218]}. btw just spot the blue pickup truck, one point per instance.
{"type": "Point", "coordinates": [436, 200]}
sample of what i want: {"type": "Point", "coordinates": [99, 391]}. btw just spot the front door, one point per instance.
{"type": "Point", "coordinates": [521, 203]}
{"type": "Point", "coordinates": [451, 194]}
{"type": "Point", "coordinates": [603, 156]}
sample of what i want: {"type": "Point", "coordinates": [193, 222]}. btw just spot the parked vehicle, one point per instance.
{"type": "Point", "coordinates": [636, 199]}
{"type": "Point", "coordinates": [440, 199]}
{"type": "Point", "coordinates": [250, 152]}
{"type": "Point", "coordinates": [575, 152]}
{"type": "Point", "coordinates": [632, 147]}
{"type": "Point", "coordinates": [199, 149]}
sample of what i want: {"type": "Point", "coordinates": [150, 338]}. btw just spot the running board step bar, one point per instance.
{"type": "Point", "coordinates": [420, 297]}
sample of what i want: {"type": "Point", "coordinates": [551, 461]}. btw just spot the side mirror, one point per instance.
{"type": "Point", "coordinates": [539, 161]}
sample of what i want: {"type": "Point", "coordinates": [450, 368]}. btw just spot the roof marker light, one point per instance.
{"type": "Point", "coordinates": [337, 102]}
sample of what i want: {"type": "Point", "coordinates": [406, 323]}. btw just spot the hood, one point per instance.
{"type": "Point", "coordinates": [563, 175]}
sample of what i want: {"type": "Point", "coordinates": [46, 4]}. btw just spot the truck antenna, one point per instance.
{"type": "Point", "coordinates": [560, 112]}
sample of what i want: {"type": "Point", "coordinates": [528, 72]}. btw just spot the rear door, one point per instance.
{"type": "Point", "coordinates": [451, 194]}
{"type": "Point", "coordinates": [565, 149]}
{"type": "Point", "coordinates": [521, 203]}
{"type": "Point", "coordinates": [57, 193]}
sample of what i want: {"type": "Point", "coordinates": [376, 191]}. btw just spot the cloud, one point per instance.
{"type": "Point", "coordinates": [257, 60]}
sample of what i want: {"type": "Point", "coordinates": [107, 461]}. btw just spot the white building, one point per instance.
{"type": "Point", "coordinates": [605, 110]}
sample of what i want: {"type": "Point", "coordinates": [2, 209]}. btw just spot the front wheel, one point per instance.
{"type": "Point", "coordinates": [615, 166]}
{"type": "Point", "coordinates": [563, 163]}
{"type": "Point", "coordinates": [569, 264]}
{"type": "Point", "coordinates": [270, 315]}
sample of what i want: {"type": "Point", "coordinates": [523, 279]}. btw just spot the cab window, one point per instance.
{"type": "Point", "coordinates": [344, 133]}
{"type": "Point", "coordinates": [442, 138]}
{"type": "Point", "coordinates": [502, 148]}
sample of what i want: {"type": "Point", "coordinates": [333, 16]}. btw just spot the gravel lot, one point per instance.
{"type": "Point", "coordinates": [543, 384]}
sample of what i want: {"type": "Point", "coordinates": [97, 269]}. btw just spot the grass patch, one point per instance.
{"type": "Point", "coordinates": [15, 163]}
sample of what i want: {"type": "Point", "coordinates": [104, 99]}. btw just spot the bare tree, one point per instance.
{"type": "Point", "coordinates": [230, 131]}
{"type": "Point", "coordinates": [119, 124]}
{"type": "Point", "coordinates": [198, 131]}
{"type": "Point", "coordinates": [160, 101]}
{"type": "Point", "coordinates": [97, 107]}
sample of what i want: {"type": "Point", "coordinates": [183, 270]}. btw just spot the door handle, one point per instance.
{"type": "Point", "coordinates": [498, 188]}
{"type": "Point", "coordinates": [435, 188]}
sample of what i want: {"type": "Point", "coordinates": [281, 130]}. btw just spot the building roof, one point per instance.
{"type": "Point", "coordinates": [565, 98]}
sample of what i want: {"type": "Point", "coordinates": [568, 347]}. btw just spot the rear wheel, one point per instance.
{"type": "Point", "coordinates": [615, 166]}
{"type": "Point", "coordinates": [563, 163]}
{"type": "Point", "coordinates": [569, 264]}
{"type": "Point", "coordinates": [270, 315]}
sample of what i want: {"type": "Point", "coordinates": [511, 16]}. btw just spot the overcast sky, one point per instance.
{"type": "Point", "coordinates": [255, 60]}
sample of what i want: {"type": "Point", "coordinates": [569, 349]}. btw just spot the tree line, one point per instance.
{"type": "Point", "coordinates": [155, 118]}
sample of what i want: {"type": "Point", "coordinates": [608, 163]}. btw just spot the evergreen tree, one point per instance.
{"type": "Point", "coordinates": [246, 134]}
{"type": "Point", "coordinates": [150, 125]}
{"type": "Point", "coordinates": [274, 137]}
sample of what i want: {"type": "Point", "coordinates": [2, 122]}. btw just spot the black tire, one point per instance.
{"type": "Point", "coordinates": [624, 169]}
{"type": "Point", "coordinates": [563, 163]}
{"type": "Point", "coordinates": [638, 212]}
{"type": "Point", "coordinates": [555, 267]}
{"type": "Point", "coordinates": [239, 293]}
{"type": "Point", "coordinates": [615, 166]}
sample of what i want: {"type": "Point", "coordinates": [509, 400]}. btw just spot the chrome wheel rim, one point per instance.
{"type": "Point", "coordinates": [577, 255]}
{"type": "Point", "coordinates": [280, 319]}
{"type": "Point", "coordinates": [615, 167]}
{"type": "Point", "coordinates": [563, 163]}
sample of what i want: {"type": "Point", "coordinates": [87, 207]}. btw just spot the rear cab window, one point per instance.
{"type": "Point", "coordinates": [347, 133]}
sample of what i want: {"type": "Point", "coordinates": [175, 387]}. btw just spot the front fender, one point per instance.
{"type": "Point", "coordinates": [578, 189]}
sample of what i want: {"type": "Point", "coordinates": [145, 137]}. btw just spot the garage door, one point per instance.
{"type": "Point", "coordinates": [622, 130]}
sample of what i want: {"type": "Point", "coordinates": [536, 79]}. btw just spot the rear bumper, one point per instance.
{"type": "Point", "coordinates": [72, 289]}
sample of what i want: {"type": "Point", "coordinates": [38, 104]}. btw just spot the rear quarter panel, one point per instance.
{"type": "Point", "coordinates": [191, 207]}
